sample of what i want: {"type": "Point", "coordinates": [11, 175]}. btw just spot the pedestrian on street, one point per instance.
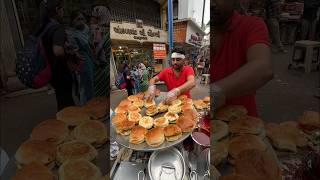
{"type": "Point", "coordinates": [236, 76]}
{"type": "Point", "coordinates": [80, 36]}
{"type": "Point", "coordinates": [100, 29]}
{"type": "Point", "coordinates": [200, 67]}
{"type": "Point", "coordinates": [178, 78]}
{"type": "Point", "coordinates": [127, 77]}
{"type": "Point", "coordinates": [137, 79]}
{"type": "Point", "coordinates": [273, 16]}
{"type": "Point", "coordinates": [144, 77]}
{"type": "Point", "coordinates": [54, 43]}
{"type": "Point", "coordinates": [309, 19]}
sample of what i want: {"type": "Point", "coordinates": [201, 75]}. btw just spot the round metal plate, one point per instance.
{"type": "Point", "coordinates": [166, 165]}
{"type": "Point", "coordinates": [124, 140]}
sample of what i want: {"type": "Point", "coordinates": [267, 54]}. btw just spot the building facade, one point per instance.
{"type": "Point", "coordinates": [136, 28]}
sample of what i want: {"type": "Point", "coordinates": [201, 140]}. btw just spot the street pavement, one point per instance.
{"type": "Point", "coordinates": [283, 98]}
{"type": "Point", "coordinates": [290, 92]}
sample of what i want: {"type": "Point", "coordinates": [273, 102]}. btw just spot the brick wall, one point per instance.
{"type": "Point", "coordinates": [179, 32]}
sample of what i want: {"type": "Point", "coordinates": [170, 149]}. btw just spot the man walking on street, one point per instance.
{"type": "Point", "coordinates": [309, 19]}
{"type": "Point", "coordinates": [273, 16]}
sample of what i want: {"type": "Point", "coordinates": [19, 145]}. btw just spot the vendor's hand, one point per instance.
{"type": "Point", "coordinates": [151, 92]}
{"type": "Point", "coordinates": [172, 95]}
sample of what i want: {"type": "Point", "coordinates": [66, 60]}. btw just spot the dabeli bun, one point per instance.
{"type": "Point", "coordinates": [151, 110]}
{"type": "Point", "coordinates": [174, 109]}
{"type": "Point", "coordinates": [118, 118]}
{"type": "Point", "coordinates": [121, 110]}
{"type": "Point", "coordinates": [176, 102]}
{"type": "Point", "coordinates": [139, 103]}
{"type": "Point", "coordinates": [124, 128]}
{"type": "Point", "coordinates": [133, 109]}
{"type": "Point", "coordinates": [133, 98]}
{"type": "Point", "coordinates": [171, 117]}
{"type": "Point", "coordinates": [162, 107]}
{"type": "Point", "coordinates": [155, 137]}
{"type": "Point", "coordinates": [134, 117]}
{"type": "Point", "coordinates": [172, 132]}
{"type": "Point", "coordinates": [149, 102]}
{"type": "Point", "coordinates": [161, 122]}
{"type": "Point", "coordinates": [146, 122]}
{"type": "Point", "coordinates": [186, 107]}
{"type": "Point", "coordinates": [137, 135]}
{"type": "Point", "coordinates": [186, 123]}
{"type": "Point", "coordinates": [125, 103]}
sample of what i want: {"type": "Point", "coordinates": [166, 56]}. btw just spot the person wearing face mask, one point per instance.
{"type": "Point", "coordinates": [79, 34]}
{"type": "Point", "coordinates": [240, 57]}
{"type": "Point", "coordinates": [178, 78]}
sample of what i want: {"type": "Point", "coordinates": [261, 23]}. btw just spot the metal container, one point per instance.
{"type": "Point", "coordinates": [129, 170]}
{"type": "Point", "coordinates": [167, 164]}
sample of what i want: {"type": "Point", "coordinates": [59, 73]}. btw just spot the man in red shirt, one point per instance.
{"type": "Point", "coordinates": [178, 78]}
{"type": "Point", "coordinates": [240, 57]}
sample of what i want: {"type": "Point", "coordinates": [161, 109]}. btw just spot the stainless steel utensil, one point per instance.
{"type": "Point", "coordinates": [124, 140]}
{"type": "Point", "coordinates": [193, 166]}
{"type": "Point", "coordinates": [166, 164]}
{"type": "Point", "coordinates": [207, 174]}
{"type": "Point", "coordinates": [143, 172]}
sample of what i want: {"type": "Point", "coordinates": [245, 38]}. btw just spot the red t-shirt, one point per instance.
{"type": "Point", "coordinates": [242, 33]}
{"type": "Point", "coordinates": [171, 81]}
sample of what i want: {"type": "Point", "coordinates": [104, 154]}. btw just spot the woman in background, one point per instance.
{"type": "Point", "coordinates": [144, 77]}
{"type": "Point", "coordinates": [80, 38]}
{"type": "Point", "coordinates": [100, 26]}
{"type": "Point", "coordinates": [127, 77]}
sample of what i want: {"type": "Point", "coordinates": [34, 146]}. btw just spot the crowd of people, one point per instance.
{"type": "Point", "coordinates": [136, 78]}
{"type": "Point", "coordinates": [76, 80]}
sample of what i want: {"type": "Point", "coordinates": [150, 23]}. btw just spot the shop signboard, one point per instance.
{"type": "Point", "coordinates": [194, 35]}
{"type": "Point", "coordinates": [133, 32]}
{"type": "Point", "coordinates": [159, 51]}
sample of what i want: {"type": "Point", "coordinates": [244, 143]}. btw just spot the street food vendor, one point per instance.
{"type": "Point", "coordinates": [240, 57]}
{"type": "Point", "coordinates": [178, 78]}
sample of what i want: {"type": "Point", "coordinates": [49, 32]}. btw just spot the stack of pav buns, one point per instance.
{"type": "Point", "coordinates": [244, 138]}
{"type": "Point", "coordinates": [71, 137]}
{"type": "Point", "coordinates": [163, 121]}
{"type": "Point", "coordinates": [34, 171]}
{"type": "Point", "coordinates": [309, 121]}
{"type": "Point", "coordinates": [286, 136]}
{"type": "Point", "coordinates": [234, 131]}
{"type": "Point", "coordinates": [97, 108]}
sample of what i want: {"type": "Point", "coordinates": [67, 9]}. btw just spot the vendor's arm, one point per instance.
{"type": "Point", "coordinates": [174, 93]}
{"type": "Point", "coordinates": [152, 88]}
{"type": "Point", "coordinates": [250, 77]}
{"type": "Point", "coordinates": [191, 83]}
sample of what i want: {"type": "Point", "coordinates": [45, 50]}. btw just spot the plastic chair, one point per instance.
{"type": "Point", "coordinates": [306, 61]}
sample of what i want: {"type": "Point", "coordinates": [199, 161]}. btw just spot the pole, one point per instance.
{"type": "Point", "coordinates": [170, 33]}
{"type": "Point", "coordinates": [170, 25]}
{"type": "Point", "coordinates": [203, 9]}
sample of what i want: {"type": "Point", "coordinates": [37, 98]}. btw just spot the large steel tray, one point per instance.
{"type": "Point", "coordinates": [124, 140]}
